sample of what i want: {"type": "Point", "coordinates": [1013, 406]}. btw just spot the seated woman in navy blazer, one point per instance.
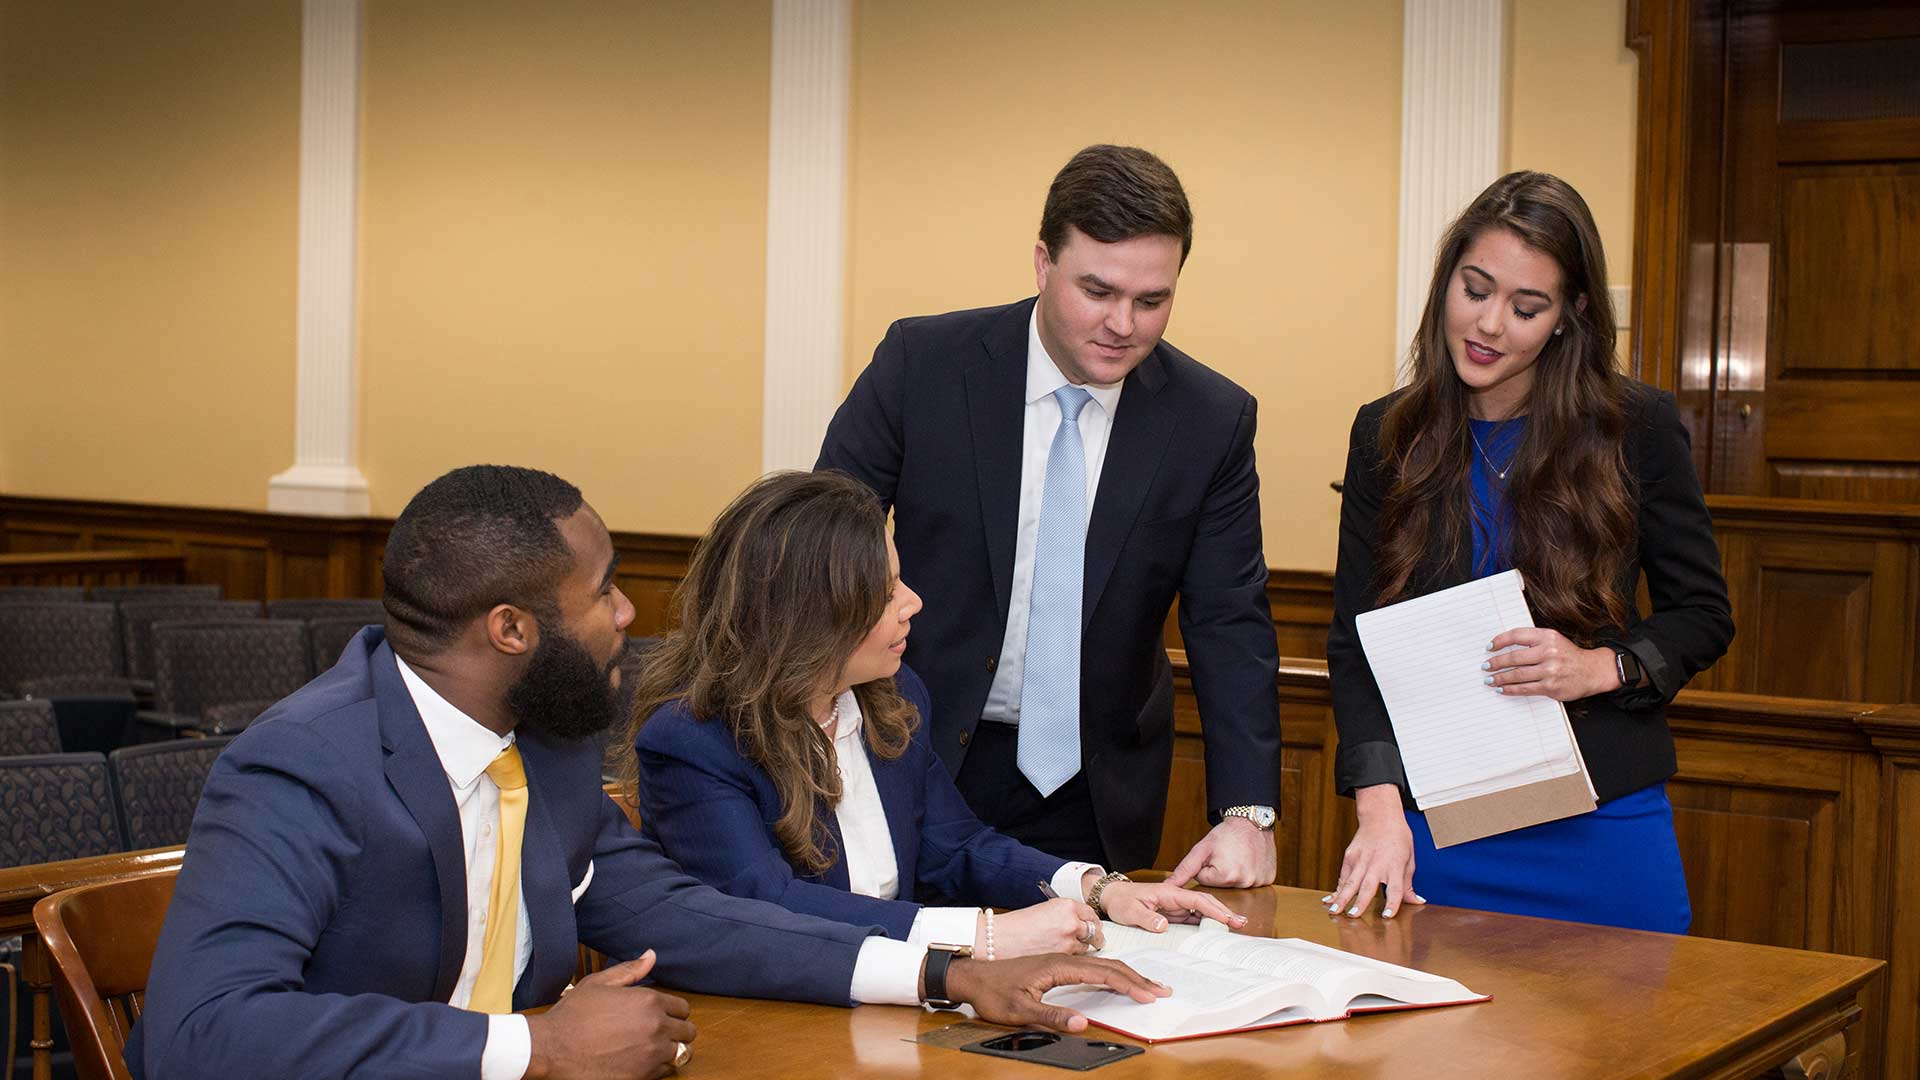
{"type": "Point", "coordinates": [781, 751]}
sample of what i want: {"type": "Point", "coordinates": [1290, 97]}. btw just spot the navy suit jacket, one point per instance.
{"type": "Point", "coordinates": [320, 919]}
{"type": "Point", "coordinates": [934, 426]}
{"type": "Point", "coordinates": [713, 811]}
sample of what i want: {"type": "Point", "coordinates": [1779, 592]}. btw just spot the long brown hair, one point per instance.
{"type": "Point", "coordinates": [1572, 518]}
{"type": "Point", "coordinates": [790, 578]}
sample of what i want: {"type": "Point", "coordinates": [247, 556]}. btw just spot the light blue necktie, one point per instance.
{"type": "Point", "coordinates": [1049, 752]}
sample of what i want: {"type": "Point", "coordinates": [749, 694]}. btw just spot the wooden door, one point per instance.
{"type": "Point", "coordinates": [1816, 389]}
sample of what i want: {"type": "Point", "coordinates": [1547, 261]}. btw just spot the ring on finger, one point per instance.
{"type": "Point", "coordinates": [681, 1055]}
{"type": "Point", "coordinates": [1091, 928]}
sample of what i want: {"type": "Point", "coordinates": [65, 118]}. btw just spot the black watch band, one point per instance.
{"type": "Point", "coordinates": [934, 976]}
{"type": "Point", "coordinates": [1628, 667]}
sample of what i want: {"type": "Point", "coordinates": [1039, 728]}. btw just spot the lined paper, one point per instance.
{"type": "Point", "coordinates": [1458, 738]}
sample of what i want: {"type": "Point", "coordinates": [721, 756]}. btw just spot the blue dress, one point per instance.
{"type": "Point", "coordinates": [1618, 865]}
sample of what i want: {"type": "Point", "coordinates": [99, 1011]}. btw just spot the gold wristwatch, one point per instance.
{"type": "Point", "coordinates": [1262, 817]}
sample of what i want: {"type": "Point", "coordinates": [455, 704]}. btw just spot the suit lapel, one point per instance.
{"type": "Point", "coordinates": [420, 781]}
{"type": "Point", "coordinates": [544, 881]}
{"type": "Point", "coordinates": [894, 784]}
{"type": "Point", "coordinates": [1142, 427]}
{"type": "Point", "coordinates": [996, 390]}
{"type": "Point", "coordinates": [835, 874]}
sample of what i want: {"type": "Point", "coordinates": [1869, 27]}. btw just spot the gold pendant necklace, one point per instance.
{"type": "Point", "coordinates": [1491, 467]}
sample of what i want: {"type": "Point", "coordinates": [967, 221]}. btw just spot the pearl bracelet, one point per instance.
{"type": "Point", "coordinates": [989, 912]}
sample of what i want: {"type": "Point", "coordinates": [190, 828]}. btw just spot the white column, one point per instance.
{"type": "Point", "coordinates": [1452, 107]}
{"type": "Point", "coordinates": [806, 227]}
{"type": "Point", "coordinates": [324, 478]}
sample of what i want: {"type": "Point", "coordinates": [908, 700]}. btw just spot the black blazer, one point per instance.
{"type": "Point", "coordinates": [1622, 734]}
{"type": "Point", "coordinates": [934, 426]}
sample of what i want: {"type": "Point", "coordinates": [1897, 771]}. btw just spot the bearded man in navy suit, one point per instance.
{"type": "Point", "coordinates": [1058, 474]}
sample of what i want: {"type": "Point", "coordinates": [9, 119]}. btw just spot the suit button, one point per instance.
{"type": "Point", "coordinates": [966, 737]}
{"type": "Point", "coordinates": [992, 663]}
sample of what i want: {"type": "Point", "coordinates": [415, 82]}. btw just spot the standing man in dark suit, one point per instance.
{"type": "Point", "coordinates": [1057, 474]}
{"type": "Point", "coordinates": [357, 899]}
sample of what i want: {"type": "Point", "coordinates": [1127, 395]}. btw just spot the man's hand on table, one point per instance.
{"type": "Point", "coordinates": [1235, 854]}
{"type": "Point", "coordinates": [1008, 991]}
{"type": "Point", "coordinates": [606, 1027]}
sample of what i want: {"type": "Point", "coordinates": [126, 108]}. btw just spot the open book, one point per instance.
{"type": "Point", "coordinates": [1234, 982]}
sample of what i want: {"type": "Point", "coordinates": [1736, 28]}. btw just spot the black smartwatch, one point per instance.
{"type": "Point", "coordinates": [934, 975]}
{"type": "Point", "coordinates": [1628, 665]}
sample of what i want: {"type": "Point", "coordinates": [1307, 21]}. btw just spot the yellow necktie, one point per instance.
{"type": "Point", "coordinates": [493, 989]}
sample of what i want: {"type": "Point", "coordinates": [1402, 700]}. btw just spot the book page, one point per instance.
{"type": "Point", "coordinates": [1294, 960]}
{"type": "Point", "coordinates": [1453, 730]}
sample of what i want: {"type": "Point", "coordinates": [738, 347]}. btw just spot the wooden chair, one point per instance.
{"type": "Point", "coordinates": [101, 939]}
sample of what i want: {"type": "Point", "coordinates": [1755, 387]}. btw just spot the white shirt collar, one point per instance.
{"type": "Point", "coordinates": [465, 747]}
{"type": "Point", "coordinates": [1044, 377]}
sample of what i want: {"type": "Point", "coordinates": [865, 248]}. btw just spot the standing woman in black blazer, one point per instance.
{"type": "Point", "coordinates": [1516, 443]}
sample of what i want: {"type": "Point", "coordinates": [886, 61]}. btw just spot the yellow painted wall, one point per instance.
{"type": "Point", "coordinates": [563, 248]}
{"type": "Point", "coordinates": [149, 167]}
{"type": "Point", "coordinates": [1282, 119]}
{"type": "Point", "coordinates": [563, 218]}
{"type": "Point", "coordinates": [1572, 101]}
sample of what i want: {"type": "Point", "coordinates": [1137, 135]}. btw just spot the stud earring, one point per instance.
{"type": "Point", "coordinates": [1558, 330]}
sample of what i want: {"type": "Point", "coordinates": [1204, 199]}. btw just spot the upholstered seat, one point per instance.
{"type": "Point", "coordinates": [158, 785]}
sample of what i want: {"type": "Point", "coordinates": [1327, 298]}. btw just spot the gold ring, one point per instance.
{"type": "Point", "coordinates": [681, 1055]}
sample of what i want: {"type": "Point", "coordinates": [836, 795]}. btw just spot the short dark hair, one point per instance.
{"type": "Point", "coordinates": [479, 536]}
{"type": "Point", "coordinates": [1115, 193]}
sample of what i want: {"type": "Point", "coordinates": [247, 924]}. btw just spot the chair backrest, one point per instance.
{"type": "Point", "coordinates": [328, 637]}
{"type": "Point", "coordinates": [159, 786]}
{"type": "Point", "coordinates": [121, 593]}
{"type": "Point", "coordinates": [365, 609]}
{"type": "Point", "coordinates": [45, 640]}
{"type": "Point", "coordinates": [28, 727]}
{"type": "Point", "coordinates": [101, 939]}
{"type": "Point", "coordinates": [42, 594]}
{"type": "Point", "coordinates": [233, 717]}
{"type": "Point", "coordinates": [56, 806]}
{"type": "Point", "coordinates": [138, 616]}
{"type": "Point", "coordinates": [200, 664]}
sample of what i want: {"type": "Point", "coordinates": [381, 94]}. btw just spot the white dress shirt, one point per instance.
{"type": "Point", "coordinates": [1036, 442]}
{"type": "Point", "coordinates": [884, 971]}
{"type": "Point", "coordinates": [465, 749]}
{"type": "Point", "coordinates": [867, 841]}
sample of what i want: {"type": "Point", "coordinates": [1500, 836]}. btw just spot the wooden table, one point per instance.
{"type": "Point", "coordinates": [1570, 1002]}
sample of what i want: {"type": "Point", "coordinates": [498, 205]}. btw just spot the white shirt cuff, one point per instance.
{"type": "Point", "coordinates": [886, 972]}
{"type": "Point", "coordinates": [1066, 880]}
{"type": "Point", "coordinates": [509, 1049]}
{"type": "Point", "coordinates": [944, 925]}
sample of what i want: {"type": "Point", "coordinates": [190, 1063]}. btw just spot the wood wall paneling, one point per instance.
{"type": "Point", "coordinates": [1895, 735]}
{"type": "Point", "coordinates": [87, 568]}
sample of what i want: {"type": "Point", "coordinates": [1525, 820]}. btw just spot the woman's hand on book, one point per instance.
{"type": "Point", "coordinates": [1380, 853]}
{"type": "Point", "coordinates": [1059, 925]}
{"type": "Point", "coordinates": [1548, 665]}
{"type": "Point", "coordinates": [1149, 905]}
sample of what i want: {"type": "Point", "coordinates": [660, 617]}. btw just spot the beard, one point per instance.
{"type": "Point", "coordinates": [565, 693]}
